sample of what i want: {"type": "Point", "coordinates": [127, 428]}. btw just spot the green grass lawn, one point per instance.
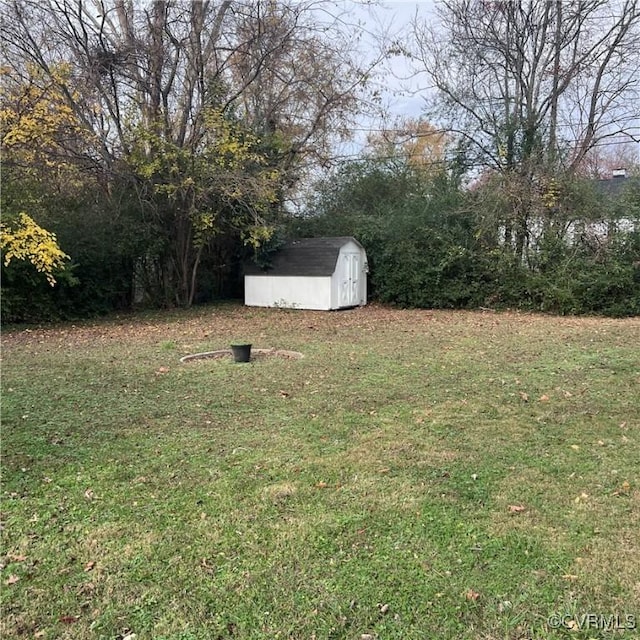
{"type": "Point", "coordinates": [416, 475]}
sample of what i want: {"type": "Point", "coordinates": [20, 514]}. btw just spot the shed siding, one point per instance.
{"type": "Point", "coordinates": [297, 292]}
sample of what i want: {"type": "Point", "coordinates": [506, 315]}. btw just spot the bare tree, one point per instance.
{"type": "Point", "coordinates": [530, 88]}
{"type": "Point", "coordinates": [537, 80]}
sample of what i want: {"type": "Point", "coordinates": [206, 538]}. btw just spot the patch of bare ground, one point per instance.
{"type": "Point", "coordinates": [226, 321]}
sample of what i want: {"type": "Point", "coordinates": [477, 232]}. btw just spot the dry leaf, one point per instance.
{"type": "Point", "coordinates": [209, 567]}
{"type": "Point", "coordinates": [90, 565]}
{"type": "Point", "coordinates": [16, 557]}
{"type": "Point", "coordinates": [68, 619]}
{"type": "Point", "coordinates": [472, 595]}
{"type": "Point", "coordinates": [162, 370]}
{"type": "Point", "coordinates": [524, 396]}
{"type": "Point", "coordinates": [569, 576]}
{"type": "Point", "coordinates": [12, 579]}
{"type": "Point", "coordinates": [623, 490]}
{"type": "Point", "coordinates": [89, 495]}
{"type": "Point", "coordinates": [321, 485]}
{"type": "Point", "coordinates": [516, 508]}
{"type": "Point", "coordinates": [544, 398]}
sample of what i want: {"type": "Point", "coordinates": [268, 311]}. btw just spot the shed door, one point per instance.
{"type": "Point", "coordinates": [350, 284]}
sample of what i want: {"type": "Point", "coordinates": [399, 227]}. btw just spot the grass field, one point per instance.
{"type": "Point", "coordinates": [416, 475]}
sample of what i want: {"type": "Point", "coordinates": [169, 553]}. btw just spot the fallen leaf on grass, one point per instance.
{"type": "Point", "coordinates": [544, 398]}
{"type": "Point", "coordinates": [524, 396]}
{"type": "Point", "coordinates": [516, 508]}
{"type": "Point", "coordinates": [89, 495]}
{"type": "Point", "coordinates": [89, 566]}
{"type": "Point", "coordinates": [207, 566]}
{"type": "Point", "coordinates": [623, 490]}
{"type": "Point", "coordinates": [162, 370]}
{"type": "Point", "coordinates": [12, 579]}
{"type": "Point", "coordinates": [16, 557]}
{"type": "Point", "coordinates": [569, 576]}
{"type": "Point", "coordinates": [68, 619]}
{"type": "Point", "coordinates": [471, 595]}
{"type": "Point", "coordinates": [321, 485]}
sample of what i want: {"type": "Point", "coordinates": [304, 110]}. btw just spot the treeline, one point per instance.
{"type": "Point", "coordinates": [431, 243]}
{"type": "Point", "coordinates": [150, 149]}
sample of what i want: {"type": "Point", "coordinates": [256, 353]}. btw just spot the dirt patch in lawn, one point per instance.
{"type": "Point", "coordinates": [256, 354]}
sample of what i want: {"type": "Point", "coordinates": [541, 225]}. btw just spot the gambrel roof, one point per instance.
{"type": "Point", "coordinates": [304, 257]}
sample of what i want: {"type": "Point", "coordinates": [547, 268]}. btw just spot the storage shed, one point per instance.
{"type": "Point", "coordinates": [310, 273]}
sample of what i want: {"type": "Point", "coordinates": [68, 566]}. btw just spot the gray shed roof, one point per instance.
{"type": "Point", "coordinates": [304, 257]}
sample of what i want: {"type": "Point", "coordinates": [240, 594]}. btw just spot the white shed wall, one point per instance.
{"type": "Point", "coordinates": [293, 292]}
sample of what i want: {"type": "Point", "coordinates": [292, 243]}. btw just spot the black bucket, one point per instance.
{"type": "Point", "coordinates": [241, 352]}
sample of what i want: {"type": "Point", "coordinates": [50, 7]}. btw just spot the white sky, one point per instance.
{"type": "Point", "coordinates": [396, 18]}
{"type": "Point", "coordinates": [401, 92]}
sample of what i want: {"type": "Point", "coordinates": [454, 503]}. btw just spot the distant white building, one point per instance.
{"type": "Point", "coordinates": [594, 229]}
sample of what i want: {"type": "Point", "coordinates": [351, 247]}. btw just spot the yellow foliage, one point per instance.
{"type": "Point", "coordinates": [256, 235]}
{"type": "Point", "coordinates": [417, 140]}
{"type": "Point", "coordinates": [29, 241]}
{"type": "Point", "coordinates": [37, 124]}
{"type": "Point", "coordinates": [40, 124]}
{"type": "Point", "coordinates": [224, 173]}
{"type": "Point", "coordinates": [551, 195]}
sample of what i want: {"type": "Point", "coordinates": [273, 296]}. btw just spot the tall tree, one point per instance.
{"type": "Point", "coordinates": [413, 141]}
{"type": "Point", "coordinates": [532, 87]}
{"type": "Point", "coordinates": [204, 109]}
{"type": "Point", "coordinates": [532, 81]}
